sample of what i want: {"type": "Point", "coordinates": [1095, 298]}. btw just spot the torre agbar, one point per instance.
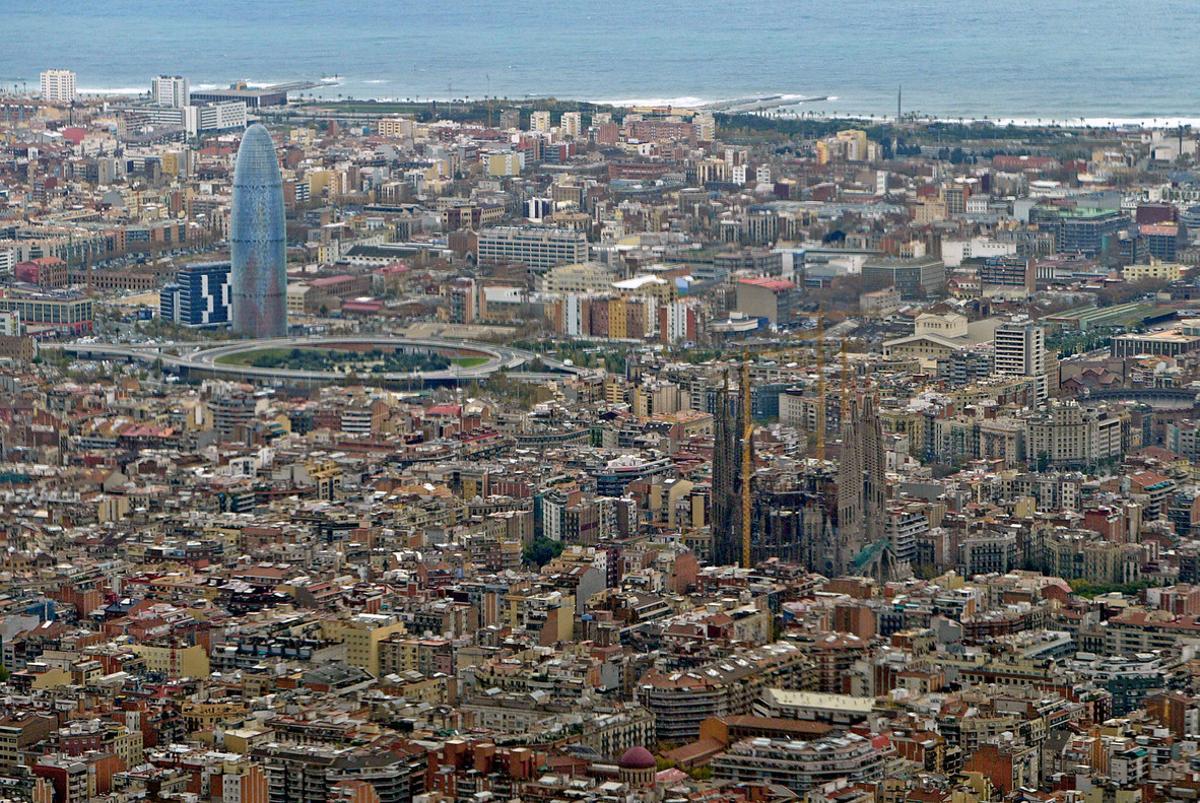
{"type": "Point", "coordinates": [257, 245]}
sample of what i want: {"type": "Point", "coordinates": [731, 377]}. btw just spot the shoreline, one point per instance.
{"type": "Point", "coordinates": [783, 106]}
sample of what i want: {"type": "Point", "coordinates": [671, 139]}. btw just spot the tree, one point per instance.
{"type": "Point", "coordinates": [541, 551]}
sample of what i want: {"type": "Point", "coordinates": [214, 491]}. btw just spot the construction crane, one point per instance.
{"type": "Point", "coordinates": [821, 415]}
{"type": "Point", "coordinates": [845, 384]}
{"type": "Point", "coordinates": [747, 458]}
{"type": "Point", "coordinates": [789, 353]}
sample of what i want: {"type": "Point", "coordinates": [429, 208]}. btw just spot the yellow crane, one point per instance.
{"type": "Point", "coordinates": [818, 346]}
{"type": "Point", "coordinates": [747, 458]}
{"type": "Point", "coordinates": [845, 384]}
{"type": "Point", "coordinates": [821, 414]}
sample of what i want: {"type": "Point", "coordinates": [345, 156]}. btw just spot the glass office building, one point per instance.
{"type": "Point", "coordinates": [198, 297]}
{"type": "Point", "coordinates": [256, 240]}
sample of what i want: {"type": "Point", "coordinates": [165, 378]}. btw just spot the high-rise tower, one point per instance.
{"type": "Point", "coordinates": [1020, 350]}
{"type": "Point", "coordinates": [256, 240]}
{"type": "Point", "coordinates": [169, 90]}
{"type": "Point", "coordinates": [58, 86]}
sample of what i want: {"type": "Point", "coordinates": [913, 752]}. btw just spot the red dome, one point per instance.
{"type": "Point", "coordinates": [637, 758]}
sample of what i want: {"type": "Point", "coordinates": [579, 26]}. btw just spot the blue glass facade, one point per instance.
{"type": "Point", "coordinates": [168, 302]}
{"type": "Point", "coordinates": [256, 239]}
{"type": "Point", "coordinates": [199, 296]}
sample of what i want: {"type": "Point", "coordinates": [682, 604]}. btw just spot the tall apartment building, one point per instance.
{"type": "Point", "coordinates": [1020, 350]}
{"type": "Point", "coordinates": [571, 124]}
{"type": "Point", "coordinates": [540, 121]}
{"type": "Point", "coordinates": [58, 86]}
{"type": "Point", "coordinates": [539, 248]}
{"type": "Point", "coordinates": [706, 127]}
{"type": "Point", "coordinates": [169, 90]}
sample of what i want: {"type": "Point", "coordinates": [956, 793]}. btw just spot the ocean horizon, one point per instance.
{"type": "Point", "coordinates": [1027, 61]}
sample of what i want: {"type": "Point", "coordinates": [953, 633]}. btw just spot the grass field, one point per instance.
{"type": "Point", "coordinates": [247, 357]}
{"type": "Point", "coordinates": [468, 362]}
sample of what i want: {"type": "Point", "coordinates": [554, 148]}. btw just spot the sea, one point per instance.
{"type": "Point", "coordinates": [1099, 61]}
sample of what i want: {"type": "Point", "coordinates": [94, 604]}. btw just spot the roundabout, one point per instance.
{"type": "Point", "coordinates": [273, 361]}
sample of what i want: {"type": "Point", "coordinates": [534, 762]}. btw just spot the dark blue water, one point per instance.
{"type": "Point", "coordinates": [973, 58]}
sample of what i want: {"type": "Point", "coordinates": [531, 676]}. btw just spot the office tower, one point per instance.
{"type": "Point", "coordinates": [199, 296]}
{"type": "Point", "coordinates": [256, 239]}
{"type": "Point", "coordinates": [169, 90]}
{"type": "Point", "coordinates": [58, 86]}
{"type": "Point", "coordinates": [725, 526]}
{"type": "Point", "coordinates": [1020, 350]}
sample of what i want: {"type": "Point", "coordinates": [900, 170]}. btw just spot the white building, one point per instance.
{"type": "Point", "coordinates": [224, 116]}
{"type": "Point", "coordinates": [955, 251]}
{"type": "Point", "coordinates": [10, 323]}
{"type": "Point", "coordinates": [676, 322]}
{"type": "Point", "coordinates": [1020, 350]}
{"type": "Point", "coordinates": [538, 208]}
{"type": "Point", "coordinates": [571, 124]}
{"type": "Point", "coordinates": [169, 90]}
{"type": "Point", "coordinates": [58, 86]}
{"type": "Point", "coordinates": [539, 248]}
{"type": "Point", "coordinates": [573, 315]}
{"type": "Point", "coordinates": [540, 121]}
{"type": "Point", "coordinates": [9, 257]}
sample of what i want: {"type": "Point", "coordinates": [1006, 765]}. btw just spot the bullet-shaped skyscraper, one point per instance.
{"type": "Point", "coordinates": [257, 240]}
